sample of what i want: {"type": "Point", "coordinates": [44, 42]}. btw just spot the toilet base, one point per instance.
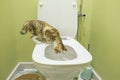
{"type": "Point", "coordinates": [61, 77]}
{"type": "Point", "coordinates": [58, 72]}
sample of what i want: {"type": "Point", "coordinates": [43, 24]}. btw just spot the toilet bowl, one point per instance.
{"type": "Point", "coordinates": [68, 64]}
{"type": "Point", "coordinates": [61, 66]}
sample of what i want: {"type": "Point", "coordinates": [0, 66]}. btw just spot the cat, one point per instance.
{"type": "Point", "coordinates": [45, 33]}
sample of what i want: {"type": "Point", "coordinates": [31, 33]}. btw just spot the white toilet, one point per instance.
{"type": "Point", "coordinates": [62, 14]}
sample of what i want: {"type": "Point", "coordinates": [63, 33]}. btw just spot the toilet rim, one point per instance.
{"type": "Point", "coordinates": [80, 59]}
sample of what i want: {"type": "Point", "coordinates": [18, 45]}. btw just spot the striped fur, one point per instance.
{"type": "Point", "coordinates": [45, 32]}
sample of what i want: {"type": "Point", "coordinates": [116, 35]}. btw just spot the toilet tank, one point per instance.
{"type": "Point", "coordinates": [61, 14]}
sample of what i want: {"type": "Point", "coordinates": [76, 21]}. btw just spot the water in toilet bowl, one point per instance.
{"type": "Point", "coordinates": [70, 54]}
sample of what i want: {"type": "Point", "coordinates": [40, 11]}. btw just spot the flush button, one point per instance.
{"type": "Point", "coordinates": [41, 4]}
{"type": "Point", "coordinates": [74, 4]}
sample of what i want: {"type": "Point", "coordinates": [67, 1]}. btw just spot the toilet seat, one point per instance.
{"type": "Point", "coordinates": [83, 55]}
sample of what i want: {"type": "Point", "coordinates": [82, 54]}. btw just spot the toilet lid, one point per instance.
{"type": "Point", "coordinates": [61, 14]}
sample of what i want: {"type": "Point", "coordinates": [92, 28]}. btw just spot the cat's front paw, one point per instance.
{"type": "Point", "coordinates": [59, 48]}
